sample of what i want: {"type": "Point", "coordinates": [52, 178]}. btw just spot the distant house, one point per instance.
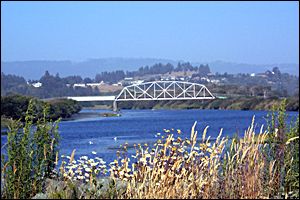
{"type": "Point", "coordinates": [137, 82]}
{"type": "Point", "coordinates": [263, 75]}
{"type": "Point", "coordinates": [164, 79]}
{"type": "Point", "coordinates": [94, 84]}
{"type": "Point", "coordinates": [269, 73]}
{"type": "Point", "coordinates": [37, 85]}
{"type": "Point", "coordinates": [117, 84]}
{"type": "Point", "coordinates": [127, 81]}
{"type": "Point", "coordinates": [204, 79]}
{"type": "Point", "coordinates": [215, 81]}
{"type": "Point", "coordinates": [79, 85]}
{"type": "Point", "coordinates": [120, 83]}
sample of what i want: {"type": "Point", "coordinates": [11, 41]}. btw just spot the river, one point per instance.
{"type": "Point", "coordinates": [104, 135]}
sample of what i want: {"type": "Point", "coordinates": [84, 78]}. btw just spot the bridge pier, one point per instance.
{"type": "Point", "coordinates": [115, 106]}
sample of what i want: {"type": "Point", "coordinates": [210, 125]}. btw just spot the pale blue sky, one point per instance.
{"type": "Point", "coordinates": [244, 32]}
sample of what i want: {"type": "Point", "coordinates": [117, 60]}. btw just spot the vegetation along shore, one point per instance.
{"type": "Point", "coordinates": [13, 107]}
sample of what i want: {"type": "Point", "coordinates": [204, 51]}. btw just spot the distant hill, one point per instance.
{"type": "Point", "coordinates": [89, 68]}
{"type": "Point", "coordinates": [233, 68]}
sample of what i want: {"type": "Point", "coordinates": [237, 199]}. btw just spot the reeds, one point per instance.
{"type": "Point", "coordinates": [185, 168]}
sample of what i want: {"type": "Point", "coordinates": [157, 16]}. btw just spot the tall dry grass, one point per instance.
{"type": "Point", "coordinates": [186, 168]}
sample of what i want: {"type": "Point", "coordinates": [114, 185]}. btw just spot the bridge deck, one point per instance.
{"type": "Point", "coordinates": [93, 98]}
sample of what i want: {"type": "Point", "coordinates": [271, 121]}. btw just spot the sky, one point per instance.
{"type": "Point", "coordinates": [242, 32]}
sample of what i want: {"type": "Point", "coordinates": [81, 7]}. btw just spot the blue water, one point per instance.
{"type": "Point", "coordinates": [140, 126]}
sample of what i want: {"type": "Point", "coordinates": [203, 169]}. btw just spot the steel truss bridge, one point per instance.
{"type": "Point", "coordinates": [156, 90]}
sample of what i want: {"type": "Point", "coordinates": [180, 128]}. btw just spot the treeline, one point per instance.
{"type": "Point", "coordinates": [168, 68]}
{"type": "Point", "coordinates": [52, 86]}
{"type": "Point", "coordinates": [15, 106]}
{"type": "Point", "coordinates": [159, 68]}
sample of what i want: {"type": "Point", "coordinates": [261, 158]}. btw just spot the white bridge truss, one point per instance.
{"type": "Point", "coordinates": [157, 90]}
{"type": "Point", "coordinates": [164, 90]}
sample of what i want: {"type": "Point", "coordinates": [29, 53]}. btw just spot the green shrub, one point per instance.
{"type": "Point", "coordinates": [30, 155]}
{"type": "Point", "coordinates": [284, 148]}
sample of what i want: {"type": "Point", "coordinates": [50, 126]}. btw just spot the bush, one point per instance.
{"type": "Point", "coordinates": [15, 107]}
{"type": "Point", "coordinates": [30, 155]}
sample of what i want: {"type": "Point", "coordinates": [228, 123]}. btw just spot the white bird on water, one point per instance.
{"type": "Point", "coordinates": [115, 138]}
{"type": "Point", "coordinates": [90, 142]}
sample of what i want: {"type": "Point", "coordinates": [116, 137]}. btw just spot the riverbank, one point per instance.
{"type": "Point", "coordinates": [241, 103]}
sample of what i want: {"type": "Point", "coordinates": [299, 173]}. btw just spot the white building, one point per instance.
{"type": "Point", "coordinates": [79, 85]}
{"type": "Point", "coordinates": [37, 85]}
{"type": "Point", "coordinates": [120, 83]}
{"type": "Point", "coordinates": [94, 84]}
{"type": "Point", "coordinates": [205, 79]}
{"type": "Point", "coordinates": [215, 81]}
{"type": "Point", "coordinates": [117, 84]}
{"type": "Point", "coordinates": [137, 82]}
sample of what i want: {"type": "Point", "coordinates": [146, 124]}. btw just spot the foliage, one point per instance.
{"type": "Point", "coordinates": [15, 106]}
{"type": "Point", "coordinates": [63, 108]}
{"type": "Point", "coordinates": [30, 155]}
{"type": "Point", "coordinates": [292, 159]}
{"type": "Point", "coordinates": [284, 147]}
{"type": "Point", "coordinates": [111, 77]}
{"type": "Point", "coordinates": [52, 86]}
{"type": "Point", "coordinates": [12, 83]}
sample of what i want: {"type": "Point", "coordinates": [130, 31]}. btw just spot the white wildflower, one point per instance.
{"type": "Point", "coordinates": [84, 157]}
{"type": "Point", "coordinates": [88, 169]}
